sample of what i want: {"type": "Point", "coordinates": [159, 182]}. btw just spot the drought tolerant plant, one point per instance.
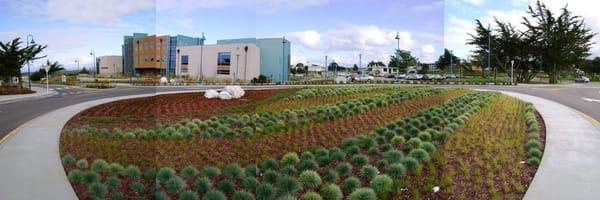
{"type": "Point", "coordinates": [410, 163]}
{"type": "Point", "coordinates": [189, 171]}
{"type": "Point", "coordinates": [395, 170]}
{"type": "Point", "coordinates": [211, 171]}
{"type": "Point", "coordinates": [97, 190]}
{"type": "Point", "coordinates": [307, 165]}
{"type": "Point", "coordinates": [249, 183]}
{"type": "Point", "coordinates": [188, 195]}
{"type": "Point", "coordinates": [242, 195]}
{"type": "Point", "coordinates": [99, 166]}
{"type": "Point", "coordinates": [133, 172]}
{"type": "Point", "coordinates": [363, 194]}
{"type": "Point", "coordinates": [138, 187]}
{"type": "Point", "coordinates": [288, 185]}
{"type": "Point", "coordinates": [393, 156]}
{"type": "Point", "coordinates": [419, 154]}
{"type": "Point", "coordinates": [164, 174]}
{"type": "Point", "coordinates": [175, 184]}
{"type": "Point", "coordinates": [360, 160]}
{"type": "Point", "coordinates": [331, 192]}
{"type": "Point", "coordinates": [269, 163]}
{"type": "Point", "coordinates": [226, 186]}
{"type": "Point", "coordinates": [203, 185]}
{"type": "Point", "coordinates": [90, 177]}
{"type": "Point", "coordinates": [310, 195]}
{"type": "Point", "coordinates": [310, 179]}
{"type": "Point", "coordinates": [82, 164]}
{"type": "Point", "coordinates": [112, 182]}
{"type": "Point", "coordinates": [368, 172]}
{"type": "Point", "coordinates": [252, 170]}
{"type": "Point", "coordinates": [214, 195]}
{"type": "Point", "coordinates": [233, 171]}
{"type": "Point", "coordinates": [265, 191]}
{"type": "Point", "coordinates": [74, 176]}
{"type": "Point", "coordinates": [68, 160]}
{"type": "Point", "coordinates": [428, 146]}
{"type": "Point", "coordinates": [382, 185]}
{"type": "Point", "coordinates": [290, 158]}
{"type": "Point", "coordinates": [351, 183]}
{"type": "Point", "coordinates": [271, 176]}
{"type": "Point", "coordinates": [116, 168]}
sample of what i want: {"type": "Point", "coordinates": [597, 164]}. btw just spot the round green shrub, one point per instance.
{"type": "Point", "coordinates": [331, 192]}
{"type": "Point", "coordinates": [82, 164]}
{"type": "Point", "coordinates": [428, 146]}
{"type": "Point", "coordinates": [242, 195]}
{"type": "Point", "coordinates": [439, 136]}
{"type": "Point", "coordinates": [382, 185]}
{"type": "Point", "coordinates": [374, 151]}
{"type": "Point", "coordinates": [395, 170]}
{"type": "Point", "coordinates": [532, 143]}
{"type": "Point", "coordinates": [214, 195]}
{"type": "Point", "coordinates": [175, 184]}
{"type": "Point", "coordinates": [203, 184]}
{"type": "Point", "coordinates": [132, 172]}
{"type": "Point", "coordinates": [117, 196]}
{"type": "Point", "coordinates": [68, 160]}
{"type": "Point", "coordinates": [165, 174]}
{"type": "Point", "coordinates": [288, 185]}
{"type": "Point", "coordinates": [534, 152]}
{"type": "Point", "coordinates": [265, 191]}
{"type": "Point", "coordinates": [252, 170]}
{"type": "Point", "coordinates": [352, 150]}
{"type": "Point", "coordinates": [289, 170]}
{"type": "Point", "coordinates": [188, 195]}
{"type": "Point", "coordinates": [249, 183]}
{"type": "Point", "coordinates": [533, 161]}
{"type": "Point", "coordinates": [112, 182]}
{"type": "Point", "coordinates": [189, 171]}
{"type": "Point", "coordinates": [310, 178]}
{"type": "Point", "coordinates": [97, 190]}
{"type": "Point", "coordinates": [363, 194]}
{"type": "Point", "coordinates": [290, 158]}
{"type": "Point", "coordinates": [226, 186]}
{"type": "Point", "coordinates": [89, 177]}
{"type": "Point", "coordinates": [160, 195]}
{"type": "Point", "coordinates": [351, 183]}
{"type": "Point", "coordinates": [311, 196]}
{"type": "Point", "coordinates": [307, 156]}
{"type": "Point", "coordinates": [343, 168]}
{"type": "Point", "coordinates": [398, 140]}
{"type": "Point", "coordinates": [233, 171]}
{"type": "Point", "coordinates": [410, 163]}
{"type": "Point", "coordinates": [330, 175]}
{"type": "Point", "coordinates": [75, 176]}
{"type": "Point", "coordinates": [424, 136]}
{"type": "Point", "coordinates": [150, 173]}
{"type": "Point", "coordinates": [419, 154]}
{"type": "Point", "coordinates": [336, 154]}
{"type": "Point", "coordinates": [360, 160]}
{"type": "Point", "coordinates": [211, 171]}
{"type": "Point", "coordinates": [368, 172]}
{"type": "Point", "coordinates": [307, 165]}
{"type": "Point", "coordinates": [393, 156]}
{"type": "Point", "coordinates": [99, 166]}
{"type": "Point", "coordinates": [381, 164]}
{"type": "Point", "coordinates": [115, 168]}
{"type": "Point", "coordinates": [269, 163]}
{"type": "Point", "coordinates": [271, 176]}
{"type": "Point", "coordinates": [138, 187]}
{"type": "Point", "coordinates": [414, 143]}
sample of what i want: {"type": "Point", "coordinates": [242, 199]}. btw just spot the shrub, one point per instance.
{"type": "Point", "coordinates": [226, 186]}
{"type": "Point", "coordinates": [331, 192]}
{"type": "Point", "coordinates": [351, 183]}
{"type": "Point", "coordinates": [252, 170]}
{"type": "Point", "coordinates": [311, 196]}
{"type": "Point", "coordinates": [424, 136]}
{"type": "Point", "coordinates": [160, 195]}
{"type": "Point", "coordinates": [233, 171]}
{"type": "Point", "coordinates": [97, 190]}
{"type": "Point", "coordinates": [307, 156]}
{"type": "Point", "coordinates": [398, 140]}
{"type": "Point", "coordinates": [532, 143]}
{"type": "Point", "coordinates": [374, 151]}
{"type": "Point", "coordinates": [381, 163]}
{"type": "Point", "coordinates": [133, 172]}
{"type": "Point", "coordinates": [368, 172]}
{"type": "Point", "coordinates": [330, 175]}
{"type": "Point", "coordinates": [290, 158]}
{"type": "Point", "coordinates": [242, 195]}
{"type": "Point", "coordinates": [214, 195]}
{"type": "Point", "coordinates": [175, 184]}
{"type": "Point", "coordinates": [74, 176]}
{"type": "Point", "coordinates": [363, 194]}
{"type": "Point", "coordinates": [99, 166]}
{"type": "Point", "coordinates": [188, 195]}
{"type": "Point", "coordinates": [165, 174]}
{"type": "Point", "coordinates": [533, 161]}
{"type": "Point", "coordinates": [271, 176]}
{"type": "Point", "coordinates": [393, 156]}
{"type": "Point", "coordinates": [428, 146]}
{"type": "Point", "coordinates": [410, 163]}
{"type": "Point", "coordinates": [150, 173]}
{"type": "Point", "coordinates": [203, 184]}
{"type": "Point", "coordinates": [343, 168]}
{"type": "Point", "coordinates": [269, 163]}
{"type": "Point", "coordinates": [89, 177]}
{"type": "Point", "coordinates": [360, 160]}
{"type": "Point", "coordinates": [112, 182]}
{"type": "Point", "coordinates": [309, 178]}
{"type": "Point", "coordinates": [116, 168]}
{"type": "Point", "coordinates": [288, 185]}
{"type": "Point", "coordinates": [211, 171]}
{"type": "Point", "coordinates": [534, 152]}
{"type": "Point", "coordinates": [382, 185]}
{"type": "Point", "coordinates": [117, 196]}
{"type": "Point", "coordinates": [265, 191]}
{"type": "Point", "coordinates": [352, 150]}
{"type": "Point", "coordinates": [289, 170]}
{"type": "Point", "coordinates": [336, 154]}
{"type": "Point", "coordinates": [419, 154]}
{"type": "Point", "coordinates": [395, 170]}
{"type": "Point", "coordinates": [138, 187]}
{"type": "Point", "coordinates": [249, 183]}
{"type": "Point", "coordinates": [439, 136]}
{"type": "Point", "coordinates": [414, 143]}
{"type": "Point", "coordinates": [68, 160]}
{"type": "Point", "coordinates": [82, 164]}
{"type": "Point", "coordinates": [189, 171]}
{"type": "Point", "coordinates": [307, 165]}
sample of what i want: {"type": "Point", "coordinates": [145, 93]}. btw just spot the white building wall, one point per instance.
{"type": "Point", "coordinates": [239, 68]}
{"type": "Point", "coordinates": [110, 64]}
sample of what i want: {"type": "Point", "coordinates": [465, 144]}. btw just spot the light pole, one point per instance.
{"type": "Point", "coordinates": [398, 54]}
{"type": "Point", "coordinates": [159, 58]}
{"type": "Point", "coordinates": [28, 68]}
{"type": "Point", "coordinates": [327, 67]}
{"type": "Point", "coordinates": [237, 67]}
{"type": "Point", "coordinates": [245, 60]}
{"type": "Point", "coordinates": [451, 59]}
{"type": "Point", "coordinates": [489, 64]}
{"type": "Point", "coordinates": [362, 74]}
{"type": "Point", "coordinates": [512, 72]}
{"type": "Point", "coordinates": [200, 74]}
{"type": "Point", "coordinates": [93, 53]}
{"type": "Point", "coordinates": [77, 74]}
{"type": "Point", "coordinates": [283, 60]}
{"type": "Point", "coordinates": [47, 68]}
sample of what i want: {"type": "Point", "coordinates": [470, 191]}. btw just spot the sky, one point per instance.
{"type": "Point", "coordinates": [340, 29]}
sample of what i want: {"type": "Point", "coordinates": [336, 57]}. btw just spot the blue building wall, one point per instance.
{"type": "Point", "coordinates": [274, 56]}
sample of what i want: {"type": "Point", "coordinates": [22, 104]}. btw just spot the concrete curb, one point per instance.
{"type": "Point", "coordinates": [569, 168]}
{"type": "Point", "coordinates": [37, 95]}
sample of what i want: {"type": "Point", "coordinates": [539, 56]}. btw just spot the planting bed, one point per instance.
{"type": "Point", "coordinates": [353, 142]}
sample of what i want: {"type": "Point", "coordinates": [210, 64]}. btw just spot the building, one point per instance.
{"type": "Point", "coordinates": [110, 64]}
{"type": "Point", "coordinates": [237, 61]}
{"type": "Point", "coordinates": [274, 55]}
{"type": "Point", "coordinates": [153, 55]}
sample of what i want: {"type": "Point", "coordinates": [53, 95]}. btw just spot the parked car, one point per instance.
{"type": "Point", "coordinates": [364, 78]}
{"type": "Point", "coordinates": [401, 76]}
{"type": "Point", "coordinates": [437, 77]}
{"type": "Point", "coordinates": [389, 75]}
{"type": "Point", "coordinates": [414, 77]}
{"type": "Point", "coordinates": [582, 79]}
{"type": "Point", "coordinates": [450, 76]}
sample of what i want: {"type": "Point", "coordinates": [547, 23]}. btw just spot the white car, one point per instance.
{"type": "Point", "coordinates": [364, 78]}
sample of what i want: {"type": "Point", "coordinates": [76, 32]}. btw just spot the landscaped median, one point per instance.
{"type": "Point", "coordinates": [353, 142]}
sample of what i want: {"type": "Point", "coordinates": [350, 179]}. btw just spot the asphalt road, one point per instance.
{"type": "Point", "coordinates": [582, 97]}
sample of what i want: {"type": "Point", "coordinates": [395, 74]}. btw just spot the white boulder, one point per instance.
{"type": "Point", "coordinates": [224, 95]}
{"type": "Point", "coordinates": [235, 91]}
{"type": "Point", "coordinates": [209, 94]}
{"type": "Point", "coordinates": [163, 80]}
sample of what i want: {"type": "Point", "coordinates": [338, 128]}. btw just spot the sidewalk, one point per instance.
{"type": "Point", "coordinates": [39, 93]}
{"type": "Point", "coordinates": [570, 166]}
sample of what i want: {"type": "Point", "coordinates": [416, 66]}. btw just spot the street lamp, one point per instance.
{"type": "Point", "coordinates": [237, 67]}
{"type": "Point", "coordinates": [512, 72]}
{"type": "Point", "coordinates": [245, 60]}
{"type": "Point", "coordinates": [327, 67]}
{"type": "Point", "coordinates": [360, 65]}
{"type": "Point", "coordinates": [93, 53]}
{"type": "Point", "coordinates": [77, 74]}
{"type": "Point", "coordinates": [28, 68]}
{"type": "Point", "coordinates": [47, 68]}
{"type": "Point", "coordinates": [489, 50]}
{"type": "Point", "coordinates": [451, 57]}
{"type": "Point", "coordinates": [200, 74]}
{"type": "Point", "coordinates": [283, 60]}
{"type": "Point", "coordinates": [398, 54]}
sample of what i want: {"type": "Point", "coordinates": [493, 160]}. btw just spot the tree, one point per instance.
{"type": "Point", "coordinates": [84, 71]}
{"type": "Point", "coordinates": [592, 66]}
{"type": "Point", "coordinates": [13, 57]}
{"type": "Point", "coordinates": [355, 68]}
{"type": "Point", "coordinates": [54, 67]}
{"type": "Point", "coordinates": [333, 65]}
{"type": "Point", "coordinates": [402, 59]}
{"type": "Point", "coordinates": [444, 60]}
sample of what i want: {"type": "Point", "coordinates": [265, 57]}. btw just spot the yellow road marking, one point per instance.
{"type": "Point", "coordinates": [591, 119]}
{"type": "Point", "coordinates": [14, 131]}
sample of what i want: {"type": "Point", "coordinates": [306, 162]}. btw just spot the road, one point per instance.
{"type": "Point", "coordinates": [582, 97]}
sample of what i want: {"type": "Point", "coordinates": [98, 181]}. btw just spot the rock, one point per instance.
{"type": "Point", "coordinates": [163, 80]}
{"type": "Point", "coordinates": [209, 94]}
{"type": "Point", "coordinates": [436, 189]}
{"type": "Point", "coordinates": [235, 91]}
{"type": "Point", "coordinates": [224, 95]}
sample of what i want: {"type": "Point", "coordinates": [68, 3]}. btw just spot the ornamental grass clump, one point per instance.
{"type": "Point", "coordinates": [97, 190]}
{"type": "Point", "coordinates": [233, 171]}
{"type": "Point", "coordinates": [395, 170]}
{"type": "Point", "coordinates": [82, 164]}
{"type": "Point", "coordinates": [175, 184]}
{"type": "Point", "coordinates": [226, 186]}
{"type": "Point", "coordinates": [382, 185]}
{"type": "Point", "coordinates": [138, 187]}
{"type": "Point", "coordinates": [112, 182]}
{"type": "Point", "coordinates": [331, 192]}
{"type": "Point", "coordinates": [188, 195]}
{"type": "Point", "coordinates": [164, 174]}
{"type": "Point", "coordinates": [310, 179]}
{"type": "Point", "coordinates": [368, 172]}
{"type": "Point", "coordinates": [214, 195]}
{"type": "Point", "coordinates": [360, 160]}
{"type": "Point", "coordinates": [393, 156]}
{"type": "Point", "coordinates": [74, 176]}
{"type": "Point", "coordinates": [189, 171]}
{"type": "Point", "coordinates": [265, 191]}
{"type": "Point", "coordinates": [242, 195]}
{"type": "Point", "coordinates": [99, 166]}
{"type": "Point", "coordinates": [363, 194]}
{"type": "Point", "coordinates": [288, 185]}
{"type": "Point", "coordinates": [203, 185]}
{"type": "Point", "coordinates": [310, 195]}
{"type": "Point", "coordinates": [350, 184]}
{"type": "Point", "coordinates": [132, 172]}
{"type": "Point", "coordinates": [343, 168]}
{"type": "Point", "coordinates": [211, 171]}
{"type": "Point", "coordinates": [89, 177]}
{"type": "Point", "coordinates": [249, 183]}
{"type": "Point", "coordinates": [419, 154]}
{"type": "Point", "coordinates": [290, 158]}
{"type": "Point", "coordinates": [68, 160]}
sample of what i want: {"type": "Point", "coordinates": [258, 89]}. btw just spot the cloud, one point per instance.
{"type": "Point", "coordinates": [99, 12]}
{"type": "Point", "coordinates": [456, 35]}
{"type": "Point", "coordinates": [474, 2]}
{"type": "Point", "coordinates": [429, 7]}
{"type": "Point", "coordinates": [258, 6]}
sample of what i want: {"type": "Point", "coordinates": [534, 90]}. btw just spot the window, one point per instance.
{"type": "Point", "coordinates": [184, 60]}
{"type": "Point", "coordinates": [224, 58]}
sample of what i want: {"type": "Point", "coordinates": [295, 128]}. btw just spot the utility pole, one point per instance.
{"type": "Point", "coordinates": [200, 74]}
{"type": "Point", "coordinates": [489, 64]}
